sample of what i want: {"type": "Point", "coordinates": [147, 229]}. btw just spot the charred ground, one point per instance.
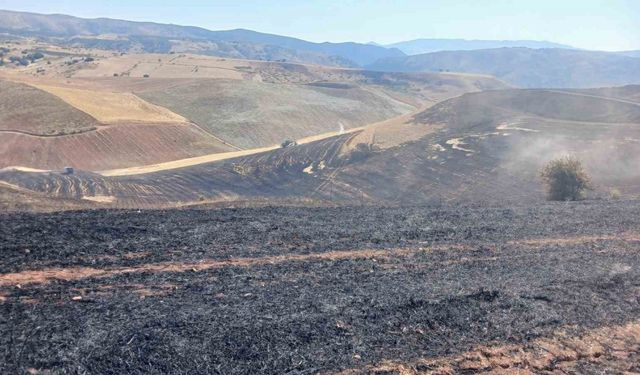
{"type": "Point", "coordinates": [308, 290]}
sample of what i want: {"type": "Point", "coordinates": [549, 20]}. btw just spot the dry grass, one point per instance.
{"type": "Point", "coordinates": [612, 347]}
{"type": "Point", "coordinates": [397, 133]}
{"type": "Point", "coordinates": [165, 66]}
{"type": "Point", "coordinates": [392, 132]}
{"type": "Point", "coordinates": [111, 107]}
{"type": "Point", "coordinates": [100, 198]}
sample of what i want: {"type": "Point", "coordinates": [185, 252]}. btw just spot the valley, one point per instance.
{"type": "Point", "coordinates": [183, 200]}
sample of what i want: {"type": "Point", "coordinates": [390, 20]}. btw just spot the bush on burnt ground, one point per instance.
{"type": "Point", "coordinates": [361, 152]}
{"type": "Point", "coordinates": [566, 179]}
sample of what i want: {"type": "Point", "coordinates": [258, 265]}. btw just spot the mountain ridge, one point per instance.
{"type": "Point", "coordinates": [526, 67]}
{"type": "Point", "coordinates": [65, 26]}
{"type": "Point", "coordinates": [427, 45]}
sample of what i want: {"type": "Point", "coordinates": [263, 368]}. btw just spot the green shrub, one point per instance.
{"type": "Point", "coordinates": [566, 179]}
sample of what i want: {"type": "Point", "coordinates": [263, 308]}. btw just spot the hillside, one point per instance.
{"type": "Point", "coordinates": [51, 127]}
{"type": "Point", "coordinates": [252, 114]}
{"type": "Point", "coordinates": [113, 112]}
{"type": "Point", "coordinates": [420, 46]}
{"type": "Point", "coordinates": [486, 146]}
{"type": "Point", "coordinates": [162, 38]}
{"type": "Point", "coordinates": [527, 68]}
{"type": "Point", "coordinates": [28, 110]}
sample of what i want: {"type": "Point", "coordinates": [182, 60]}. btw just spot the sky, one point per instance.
{"type": "Point", "coordinates": [610, 25]}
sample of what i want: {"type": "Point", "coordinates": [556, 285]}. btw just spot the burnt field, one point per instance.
{"type": "Point", "coordinates": [287, 290]}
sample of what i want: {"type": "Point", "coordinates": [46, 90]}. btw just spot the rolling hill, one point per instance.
{"type": "Point", "coordinates": [420, 46]}
{"type": "Point", "coordinates": [39, 129]}
{"type": "Point", "coordinates": [115, 112]}
{"type": "Point", "coordinates": [483, 147]}
{"type": "Point", "coordinates": [526, 67]}
{"type": "Point", "coordinates": [154, 37]}
{"type": "Point", "coordinates": [253, 114]}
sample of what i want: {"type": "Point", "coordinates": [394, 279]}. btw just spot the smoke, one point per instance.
{"type": "Point", "coordinates": [609, 153]}
{"type": "Point", "coordinates": [341, 128]}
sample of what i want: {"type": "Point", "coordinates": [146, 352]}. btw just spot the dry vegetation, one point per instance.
{"type": "Point", "coordinates": [252, 114]}
{"type": "Point", "coordinates": [112, 107]}
{"type": "Point", "coordinates": [29, 110]}
{"type": "Point", "coordinates": [566, 179]}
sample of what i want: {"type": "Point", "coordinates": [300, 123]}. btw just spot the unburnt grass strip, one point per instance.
{"type": "Point", "coordinates": [318, 290]}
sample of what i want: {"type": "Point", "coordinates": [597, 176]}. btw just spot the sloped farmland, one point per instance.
{"type": "Point", "coordinates": [117, 146]}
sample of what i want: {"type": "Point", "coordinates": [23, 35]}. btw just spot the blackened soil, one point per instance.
{"type": "Point", "coordinates": [445, 280]}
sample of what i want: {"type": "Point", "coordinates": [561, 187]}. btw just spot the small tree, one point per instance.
{"type": "Point", "coordinates": [566, 179]}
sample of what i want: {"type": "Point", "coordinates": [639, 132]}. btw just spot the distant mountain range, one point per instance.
{"type": "Point", "coordinates": [419, 46]}
{"type": "Point", "coordinates": [154, 37]}
{"type": "Point", "coordinates": [526, 67]}
{"type": "Point", "coordinates": [630, 53]}
{"type": "Point", "coordinates": [524, 63]}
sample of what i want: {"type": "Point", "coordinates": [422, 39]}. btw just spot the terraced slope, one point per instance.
{"type": "Point", "coordinates": [25, 109]}
{"type": "Point", "coordinates": [252, 114]}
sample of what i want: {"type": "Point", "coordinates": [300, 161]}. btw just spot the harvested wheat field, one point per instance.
{"type": "Point", "coordinates": [113, 107]}
{"type": "Point", "coordinates": [354, 290]}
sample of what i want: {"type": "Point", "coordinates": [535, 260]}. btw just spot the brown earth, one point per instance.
{"type": "Point", "coordinates": [27, 109]}
{"type": "Point", "coordinates": [108, 147]}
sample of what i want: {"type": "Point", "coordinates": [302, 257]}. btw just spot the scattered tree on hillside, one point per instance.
{"type": "Point", "coordinates": [33, 57]}
{"type": "Point", "coordinates": [566, 179]}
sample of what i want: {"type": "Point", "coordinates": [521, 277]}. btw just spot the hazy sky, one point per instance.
{"type": "Point", "coordinates": [591, 24]}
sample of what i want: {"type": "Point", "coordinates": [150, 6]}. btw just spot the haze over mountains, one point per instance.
{"type": "Point", "coordinates": [419, 46]}
{"type": "Point", "coordinates": [523, 63]}
{"type": "Point", "coordinates": [525, 67]}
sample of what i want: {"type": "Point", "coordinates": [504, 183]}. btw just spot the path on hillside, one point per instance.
{"type": "Point", "coordinates": [613, 99]}
{"type": "Point", "coordinates": [234, 154]}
